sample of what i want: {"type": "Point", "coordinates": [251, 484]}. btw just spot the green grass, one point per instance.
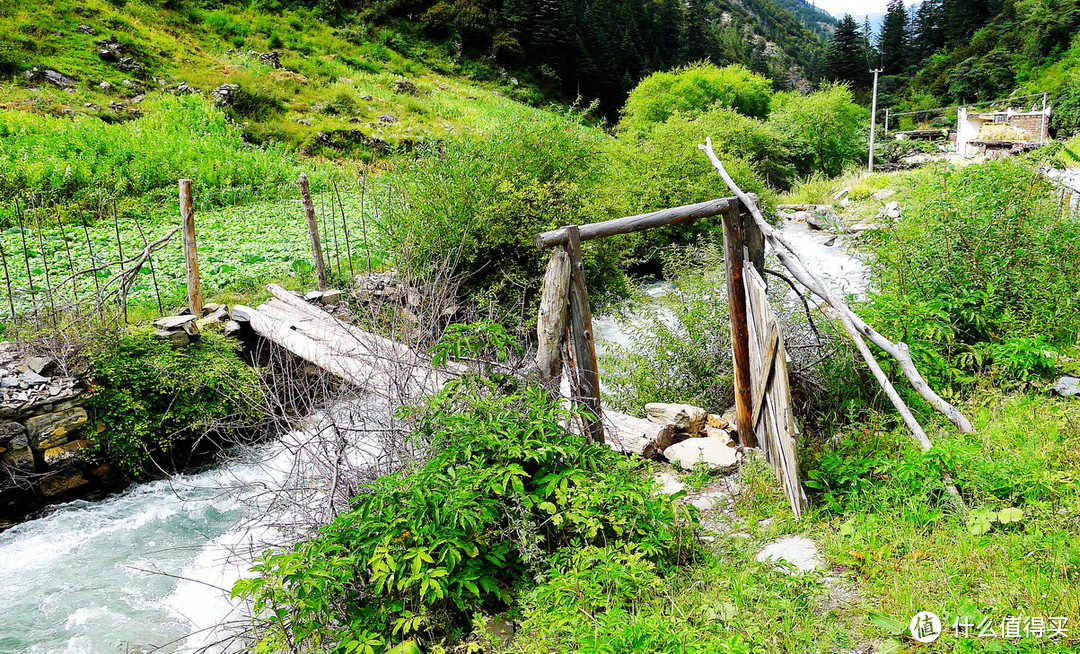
{"type": "Point", "coordinates": [207, 48]}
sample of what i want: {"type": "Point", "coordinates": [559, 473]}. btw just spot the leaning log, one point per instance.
{"type": "Point", "coordinates": [853, 324]}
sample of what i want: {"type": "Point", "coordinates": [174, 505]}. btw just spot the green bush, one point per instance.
{"type": "Point", "coordinates": [149, 399]}
{"type": "Point", "coordinates": [478, 202]}
{"type": "Point", "coordinates": [824, 131]}
{"type": "Point", "coordinates": [692, 90]}
{"type": "Point", "coordinates": [667, 169]}
{"type": "Point", "coordinates": [680, 351]}
{"type": "Point", "coordinates": [979, 275]}
{"type": "Point", "coordinates": [505, 495]}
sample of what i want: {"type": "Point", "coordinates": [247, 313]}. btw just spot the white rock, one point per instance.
{"type": "Point", "coordinates": [669, 483]}
{"type": "Point", "coordinates": [799, 551]}
{"type": "Point", "coordinates": [714, 453]}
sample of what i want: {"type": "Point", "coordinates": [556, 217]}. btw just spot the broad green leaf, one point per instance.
{"type": "Point", "coordinates": [888, 624]}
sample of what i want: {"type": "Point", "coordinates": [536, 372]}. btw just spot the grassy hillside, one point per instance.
{"type": "Point", "coordinates": [351, 81]}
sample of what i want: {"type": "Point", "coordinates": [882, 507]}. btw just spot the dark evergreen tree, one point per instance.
{"type": "Point", "coordinates": [845, 57]}
{"type": "Point", "coordinates": [928, 30]}
{"type": "Point", "coordinates": [963, 17]}
{"type": "Point", "coordinates": [894, 40]}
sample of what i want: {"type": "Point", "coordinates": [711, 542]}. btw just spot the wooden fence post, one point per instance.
{"type": "Point", "coordinates": [313, 232]}
{"type": "Point", "coordinates": [552, 318]}
{"type": "Point", "coordinates": [740, 338]}
{"type": "Point", "coordinates": [587, 387]}
{"type": "Point", "coordinates": [191, 250]}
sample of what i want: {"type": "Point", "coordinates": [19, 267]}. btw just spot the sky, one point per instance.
{"type": "Point", "coordinates": [840, 7]}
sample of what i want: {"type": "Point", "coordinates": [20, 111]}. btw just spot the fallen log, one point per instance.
{"type": "Point", "coordinates": [630, 435]}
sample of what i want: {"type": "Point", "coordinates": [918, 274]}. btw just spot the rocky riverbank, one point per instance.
{"type": "Point", "coordinates": [45, 451]}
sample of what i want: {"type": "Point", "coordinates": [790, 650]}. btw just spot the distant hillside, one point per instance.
{"type": "Point", "coordinates": [817, 19]}
{"type": "Point", "coordinates": [331, 66]}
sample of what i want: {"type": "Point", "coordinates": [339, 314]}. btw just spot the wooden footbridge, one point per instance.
{"type": "Point", "coordinates": [565, 334]}
{"type": "Point", "coordinates": [391, 369]}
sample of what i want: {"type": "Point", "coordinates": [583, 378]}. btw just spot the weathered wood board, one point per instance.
{"type": "Point", "coordinates": [774, 422]}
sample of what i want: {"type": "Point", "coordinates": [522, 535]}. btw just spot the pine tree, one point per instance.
{"type": "Point", "coordinates": [928, 30]}
{"type": "Point", "coordinates": [845, 58]}
{"type": "Point", "coordinates": [895, 39]}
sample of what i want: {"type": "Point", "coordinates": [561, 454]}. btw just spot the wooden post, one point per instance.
{"type": "Point", "coordinates": [551, 321]}
{"type": "Point", "coordinates": [191, 250]}
{"type": "Point", "coordinates": [587, 388]}
{"type": "Point", "coordinates": [740, 339]}
{"type": "Point", "coordinates": [753, 239]}
{"type": "Point", "coordinates": [313, 232]}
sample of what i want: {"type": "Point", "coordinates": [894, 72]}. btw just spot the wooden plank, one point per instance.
{"type": "Point", "coordinates": [766, 368]}
{"type": "Point", "coordinates": [777, 422]}
{"type": "Point", "coordinates": [586, 390]}
{"type": "Point", "coordinates": [733, 262]}
{"type": "Point", "coordinates": [753, 239]}
{"type": "Point", "coordinates": [191, 250]}
{"type": "Point", "coordinates": [629, 224]}
{"type": "Point", "coordinates": [313, 232]}
{"type": "Point", "coordinates": [554, 313]}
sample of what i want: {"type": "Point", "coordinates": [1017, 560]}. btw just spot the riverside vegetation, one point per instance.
{"type": "Point", "coordinates": [510, 514]}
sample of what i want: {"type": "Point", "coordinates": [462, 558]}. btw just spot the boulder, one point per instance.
{"type": "Point", "coordinates": [865, 227]}
{"type": "Point", "coordinates": [231, 328]}
{"type": "Point", "coordinates": [41, 365]}
{"type": "Point", "coordinates": [12, 432]}
{"type": "Point", "coordinates": [890, 210]}
{"type": "Point", "coordinates": [62, 483]}
{"type": "Point", "coordinates": [841, 194]}
{"type": "Point", "coordinates": [796, 551]}
{"type": "Point", "coordinates": [683, 417]}
{"type": "Point", "coordinates": [174, 322]}
{"type": "Point", "coordinates": [225, 94]}
{"type": "Point", "coordinates": [669, 482]}
{"type": "Point", "coordinates": [68, 454]}
{"type": "Point", "coordinates": [332, 296]}
{"type": "Point", "coordinates": [105, 86]}
{"type": "Point", "coordinates": [1067, 387]}
{"type": "Point", "coordinates": [713, 452]}
{"type": "Point", "coordinates": [86, 29]}
{"type": "Point", "coordinates": [387, 119]}
{"type": "Point", "coordinates": [176, 338]}
{"type": "Point", "coordinates": [53, 429]}
{"type": "Point", "coordinates": [32, 378]}
{"type": "Point", "coordinates": [404, 86]}
{"type": "Point", "coordinates": [20, 458]}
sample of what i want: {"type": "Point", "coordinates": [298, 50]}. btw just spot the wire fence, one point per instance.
{"type": "Point", "coordinates": [118, 262]}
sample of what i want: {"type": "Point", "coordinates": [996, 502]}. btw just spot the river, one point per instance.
{"type": "Point", "coordinates": [150, 567]}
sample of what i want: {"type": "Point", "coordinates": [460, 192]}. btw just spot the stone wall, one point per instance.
{"type": "Point", "coordinates": [45, 455]}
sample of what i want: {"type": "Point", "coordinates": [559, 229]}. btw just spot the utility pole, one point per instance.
{"type": "Point", "coordinates": [873, 116]}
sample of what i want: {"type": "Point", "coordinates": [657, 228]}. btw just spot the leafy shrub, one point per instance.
{"type": "Point", "coordinates": [692, 90]}
{"type": "Point", "coordinates": [505, 494]}
{"type": "Point", "coordinates": [481, 200]}
{"type": "Point", "coordinates": [975, 277]}
{"type": "Point", "coordinates": [680, 350]}
{"type": "Point", "coordinates": [823, 130]}
{"type": "Point", "coordinates": [151, 399]}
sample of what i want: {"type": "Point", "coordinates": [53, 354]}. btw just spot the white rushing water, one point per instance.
{"type": "Point", "coordinates": [149, 567]}
{"type": "Point", "coordinates": [829, 254]}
